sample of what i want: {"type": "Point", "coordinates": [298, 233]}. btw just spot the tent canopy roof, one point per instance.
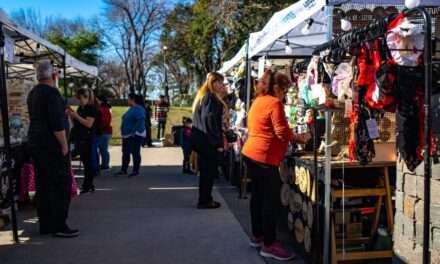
{"type": "Point", "coordinates": [382, 2]}
{"type": "Point", "coordinates": [287, 25]}
{"type": "Point", "coordinates": [29, 47]}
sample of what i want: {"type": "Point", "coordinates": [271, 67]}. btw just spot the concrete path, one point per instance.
{"type": "Point", "coordinates": [148, 219]}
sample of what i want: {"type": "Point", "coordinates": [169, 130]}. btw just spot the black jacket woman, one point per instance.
{"type": "Point", "coordinates": [84, 135]}
{"type": "Point", "coordinates": [208, 136]}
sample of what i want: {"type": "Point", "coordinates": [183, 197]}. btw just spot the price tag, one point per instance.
{"type": "Point", "coordinates": [348, 108]}
{"type": "Point", "coordinates": [373, 130]}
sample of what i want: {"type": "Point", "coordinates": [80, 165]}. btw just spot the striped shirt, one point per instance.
{"type": "Point", "coordinates": [162, 109]}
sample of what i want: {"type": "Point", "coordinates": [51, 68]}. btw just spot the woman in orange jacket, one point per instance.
{"type": "Point", "coordinates": [268, 137]}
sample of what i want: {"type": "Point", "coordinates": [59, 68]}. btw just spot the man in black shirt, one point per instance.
{"type": "Point", "coordinates": [50, 152]}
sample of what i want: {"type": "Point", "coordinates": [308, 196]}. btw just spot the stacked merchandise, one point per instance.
{"type": "Point", "coordinates": [18, 111]}
{"type": "Point", "coordinates": [19, 124]}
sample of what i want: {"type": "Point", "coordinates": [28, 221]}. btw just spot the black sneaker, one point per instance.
{"type": "Point", "coordinates": [87, 190]}
{"type": "Point", "coordinates": [211, 205]}
{"type": "Point", "coordinates": [104, 168]}
{"type": "Point", "coordinates": [187, 171]}
{"type": "Point", "coordinates": [67, 233]}
{"type": "Point", "coordinates": [121, 173]}
{"type": "Point", "coordinates": [133, 174]}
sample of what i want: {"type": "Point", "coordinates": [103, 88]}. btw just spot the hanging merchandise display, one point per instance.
{"type": "Point", "coordinates": [359, 95]}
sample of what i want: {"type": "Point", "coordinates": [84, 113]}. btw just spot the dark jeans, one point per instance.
{"type": "Point", "coordinates": [161, 129]}
{"type": "Point", "coordinates": [186, 157]}
{"type": "Point", "coordinates": [131, 147]}
{"type": "Point", "coordinates": [265, 200]}
{"type": "Point", "coordinates": [53, 183]}
{"type": "Point", "coordinates": [103, 142]}
{"type": "Point", "coordinates": [87, 153]}
{"type": "Point", "coordinates": [148, 141]}
{"type": "Point", "coordinates": [208, 167]}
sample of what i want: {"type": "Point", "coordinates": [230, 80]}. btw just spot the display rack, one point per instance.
{"type": "Point", "coordinates": [427, 129]}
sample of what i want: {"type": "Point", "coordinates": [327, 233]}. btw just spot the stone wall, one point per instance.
{"type": "Point", "coordinates": [408, 229]}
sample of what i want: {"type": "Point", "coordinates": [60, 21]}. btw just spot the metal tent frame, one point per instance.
{"type": "Point", "coordinates": [19, 50]}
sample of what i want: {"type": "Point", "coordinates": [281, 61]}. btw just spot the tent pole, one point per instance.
{"type": "Point", "coordinates": [244, 181]}
{"type": "Point", "coordinates": [248, 77]}
{"type": "Point", "coordinates": [328, 176]}
{"type": "Point", "coordinates": [427, 135]}
{"type": "Point", "coordinates": [64, 78]}
{"type": "Point", "coordinates": [6, 133]}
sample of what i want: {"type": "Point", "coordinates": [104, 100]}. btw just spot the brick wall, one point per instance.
{"type": "Point", "coordinates": [408, 229]}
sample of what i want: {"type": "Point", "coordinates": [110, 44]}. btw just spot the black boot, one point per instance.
{"type": "Point", "coordinates": [186, 168]}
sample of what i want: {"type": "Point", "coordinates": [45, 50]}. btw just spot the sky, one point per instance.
{"type": "Point", "coordinates": [62, 8]}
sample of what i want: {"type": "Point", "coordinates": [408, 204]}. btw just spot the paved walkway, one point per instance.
{"type": "Point", "coordinates": [148, 219]}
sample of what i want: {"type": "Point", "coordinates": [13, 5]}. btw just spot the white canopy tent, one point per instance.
{"type": "Point", "coordinates": [241, 54]}
{"type": "Point", "coordinates": [227, 65]}
{"type": "Point", "coordinates": [23, 48]}
{"type": "Point", "coordinates": [287, 25]}
{"type": "Point", "coordinates": [19, 50]}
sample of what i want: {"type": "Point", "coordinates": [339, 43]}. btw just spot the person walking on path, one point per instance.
{"type": "Point", "coordinates": [162, 109]}
{"type": "Point", "coordinates": [84, 131]}
{"type": "Point", "coordinates": [133, 132]}
{"type": "Point", "coordinates": [208, 136]}
{"type": "Point", "coordinates": [268, 138]}
{"type": "Point", "coordinates": [105, 131]}
{"type": "Point", "coordinates": [186, 134]}
{"type": "Point", "coordinates": [148, 113]}
{"type": "Point", "coordinates": [48, 133]}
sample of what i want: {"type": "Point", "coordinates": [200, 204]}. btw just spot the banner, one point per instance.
{"type": "Point", "coordinates": [9, 49]}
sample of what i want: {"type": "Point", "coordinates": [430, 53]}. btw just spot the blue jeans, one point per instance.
{"type": "Point", "coordinates": [131, 147]}
{"type": "Point", "coordinates": [103, 141]}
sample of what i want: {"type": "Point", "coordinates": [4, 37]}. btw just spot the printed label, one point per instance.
{"type": "Point", "coordinates": [373, 130]}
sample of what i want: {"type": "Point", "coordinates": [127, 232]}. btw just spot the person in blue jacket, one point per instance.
{"type": "Point", "coordinates": [133, 132]}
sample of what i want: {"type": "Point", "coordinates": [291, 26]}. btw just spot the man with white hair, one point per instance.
{"type": "Point", "coordinates": [50, 152]}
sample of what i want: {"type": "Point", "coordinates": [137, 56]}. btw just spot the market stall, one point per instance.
{"type": "Point", "coordinates": [19, 50]}
{"type": "Point", "coordinates": [339, 197]}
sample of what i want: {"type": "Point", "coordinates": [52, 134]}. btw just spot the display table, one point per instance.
{"type": "Point", "coordinates": [304, 193]}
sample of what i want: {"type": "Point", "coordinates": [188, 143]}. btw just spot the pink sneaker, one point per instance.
{"type": "Point", "coordinates": [276, 251]}
{"type": "Point", "coordinates": [256, 242]}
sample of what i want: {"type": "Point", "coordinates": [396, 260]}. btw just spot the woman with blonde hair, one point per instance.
{"type": "Point", "coordinates": [207, 135]}
{"type": "Point", "coordinates": [268, 138]}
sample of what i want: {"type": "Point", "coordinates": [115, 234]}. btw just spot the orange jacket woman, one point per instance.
{"type": "Point", "coordinates": [268, 138]}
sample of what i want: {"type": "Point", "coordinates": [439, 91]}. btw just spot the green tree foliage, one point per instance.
{"type": "Point", "coordinates": [203, 34]}
{"type": "Point", "coordinates": [83, 44]}
{"type": "Point", "coordinates": [76, 36]}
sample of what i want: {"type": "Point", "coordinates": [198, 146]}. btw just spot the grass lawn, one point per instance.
{"type": "Point", "coordinates": [174, 118]}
